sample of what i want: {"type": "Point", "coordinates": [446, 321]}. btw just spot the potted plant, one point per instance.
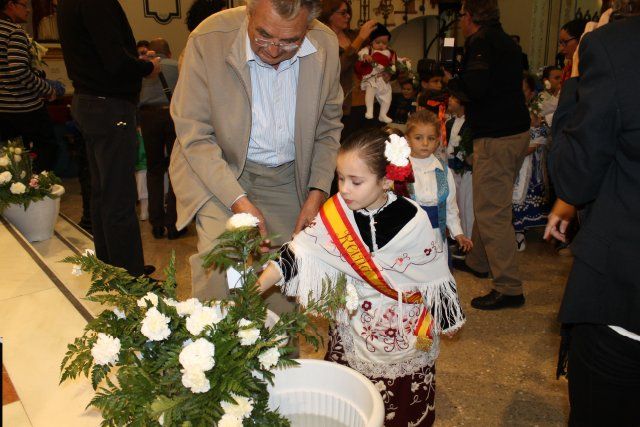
{"type": "Point", "coordinates": [29, 201]}
{"type": "Point", "coordinates": [155, 361]}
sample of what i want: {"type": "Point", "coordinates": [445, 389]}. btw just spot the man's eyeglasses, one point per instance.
{"type": "Point", "coordinates": [342, 12]}
{"type": "Point", "coordinates": [287, 47]}
{"type": "Point", "coordinates": [564, 43]}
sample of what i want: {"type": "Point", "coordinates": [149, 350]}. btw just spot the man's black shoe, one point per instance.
{"type": "Point", "coordinates": [459, 264]}
{"type": "Point", "coordinates": [173, 233]}
{"type": "Point", "coordinates": [494, 300]}
{"type": "Point", "coordinates": [157, 231]}
{"type": "Point", "coordinates": [148, 270]}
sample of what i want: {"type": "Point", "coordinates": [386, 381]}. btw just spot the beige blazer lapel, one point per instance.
{"type": "Point", "coordinates": [237, 59]}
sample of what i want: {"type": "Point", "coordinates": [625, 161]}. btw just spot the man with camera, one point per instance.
{"type": "Point", "coordinates": [491, 78]}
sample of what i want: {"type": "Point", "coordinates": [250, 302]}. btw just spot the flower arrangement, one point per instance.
{"type": "Point", "coordinates": [190, 363]}
{"type": "Point", "coordinates": [18, 184]}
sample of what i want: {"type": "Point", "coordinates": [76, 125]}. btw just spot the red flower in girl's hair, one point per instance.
{"type": "Point", "coordinates": [399, 173]}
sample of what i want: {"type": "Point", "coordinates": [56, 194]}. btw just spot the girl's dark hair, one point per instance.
{"type": "Point", "coordinates": [547, 71]}
{"type": "Point", "coordinates": [370, 145]}
{"type": "Point", "coordinates": [202, 9]}
{"type": "Point", "coordinates": [530, 81]}
{"type": "Point", "coordinates": [329, 7]}
{"type": "Point", "coordinates": [575, 28]}
{"type": "Point", "coordinates": [423, 117]}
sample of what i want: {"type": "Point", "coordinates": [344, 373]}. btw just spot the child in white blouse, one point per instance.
{"type": "Point", "coordinates": [434, 188]}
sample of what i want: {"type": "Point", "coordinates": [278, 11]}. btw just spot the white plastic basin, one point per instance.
{"type": "Point", "coordinates": [325, 394]}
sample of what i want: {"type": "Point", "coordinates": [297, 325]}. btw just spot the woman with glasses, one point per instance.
{"type": "Point", "coordinates": [568, 40]}
{"type": "Point", "coordinates": [336, 14]}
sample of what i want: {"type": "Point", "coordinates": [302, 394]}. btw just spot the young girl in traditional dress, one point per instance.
{"type": "Point", "coordinates": [386, 247]}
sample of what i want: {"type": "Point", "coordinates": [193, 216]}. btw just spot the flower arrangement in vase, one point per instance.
{"type": "Point", "coordinates": [155, 361]}
{"type": "Point", "coordinates": [18, 184]}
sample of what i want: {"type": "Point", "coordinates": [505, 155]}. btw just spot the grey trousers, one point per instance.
{"type": "Point", "coordinates": [273, 191]}
{"type": "Point", "coordinates": [496, 162]}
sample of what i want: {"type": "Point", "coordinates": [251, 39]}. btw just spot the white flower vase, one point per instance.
{"type": "Point", "coordinates": [325, 394]}
{"type": "Point", "coordinates": [37, 222]}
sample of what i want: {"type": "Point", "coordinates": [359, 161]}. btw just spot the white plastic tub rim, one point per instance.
{"type": "Point", "coordinates": [327, 389]}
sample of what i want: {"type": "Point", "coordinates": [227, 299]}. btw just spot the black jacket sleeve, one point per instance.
{"type": "Point", "coordinates": [475, 80]}
{"type": "Point", "coordinates": [585, 127]}
{"type": "Point", "coordinates": [103, 19]}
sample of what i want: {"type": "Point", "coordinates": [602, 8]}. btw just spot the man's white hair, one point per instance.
{"type": "Point", "coordinates": [289, 9]}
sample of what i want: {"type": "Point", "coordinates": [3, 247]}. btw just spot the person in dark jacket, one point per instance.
{"type": "Point", "coordinates": [496, 113]}
{"type": "Point", "coordinates": [595, 162]}
{"type": "Point", "coordinates": [102, 61]}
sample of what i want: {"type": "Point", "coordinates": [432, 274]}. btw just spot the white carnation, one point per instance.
{"type": "Point", "coordinates": [155, 325]}
{"type": "Point", "coordinates": [196, 381]}
{"type": "Point", "coordinates": [76, 270]}
{"type": "Point", "coordinates": [397, 150]}
{"type": "Point", "coordinates": [17, 158]}
{"type": "Point", "coordinates": [5, 177]}
{"type": "Point", "coordinates": [229, 420]}
{"type": "Point", "coordinates": [4, 161]}
{"type": "Point", "coordinates": [119, 313]}
{"type": "Point", "coordinates": [44, 173]}
{"type": "Point", "coordinates": [18, 150]}
{"type": "Point", "coordinates": [269, 358]}
{"type": "Point", "coordinates": [352, 297]}
{"type": "Point", "coordinates": [186, 308]}
{"type": "Point", "coordinates": [88, 252]}
{"type": "Point", "coordinates": [198, 356]}
{"type": "Point", "coordinates": [241, 409]}
{"type": "Point", "coordinates": [247, 336]}
{"type": "Point", "coordinates": [202, 317]}
{"type": "Point", "coordinates": [161, 419]}
{"type": "Point", "coordinates": [105, 350]}
{"type": "Point", "coordinates": [151, 297]}
{"type": "Point", "coordinates": [242, 220]}
{"type": "Point", "coordinates": [17, 188]}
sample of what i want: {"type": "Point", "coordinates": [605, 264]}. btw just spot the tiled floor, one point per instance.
{"type": "Point", "coordinates": [498, 371]}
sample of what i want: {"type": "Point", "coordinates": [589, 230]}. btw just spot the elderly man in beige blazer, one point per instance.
{"type": "Point", "coordinates": [257, 113]}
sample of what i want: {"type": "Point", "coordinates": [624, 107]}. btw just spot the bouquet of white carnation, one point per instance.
{"type": "Point", "coordinates": [193, 362]}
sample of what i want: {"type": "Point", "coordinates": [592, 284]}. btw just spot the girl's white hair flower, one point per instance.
{"type": "Point", "coordinates": [397, 150]}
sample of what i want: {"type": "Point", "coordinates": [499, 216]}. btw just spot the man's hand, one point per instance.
{"type": "Point", "coordinates": [244, 205]}
{"type": "Point", "coordinates": [310, 209]}
{"type": "Point", "coordinates": [156, 68]}
{"type": "Point", "coordinates": [558, 220]}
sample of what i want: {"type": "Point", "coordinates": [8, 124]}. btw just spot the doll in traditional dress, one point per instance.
{"type": "Point", "coordinates": [403, 295]}
{"type": "Point", "coordinates": [375, 66]}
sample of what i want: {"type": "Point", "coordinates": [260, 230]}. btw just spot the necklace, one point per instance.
{"type": "Point", "coordinates": [391, 197]}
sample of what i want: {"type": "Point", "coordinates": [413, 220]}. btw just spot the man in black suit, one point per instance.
{"type": "Point", "coordinates": [595, 162]}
